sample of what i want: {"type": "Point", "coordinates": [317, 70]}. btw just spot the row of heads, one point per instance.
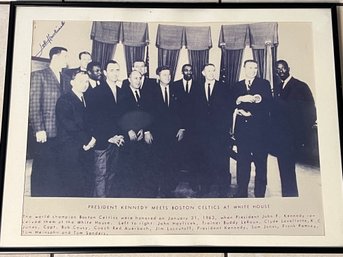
{"type": "Point", "coordinates": [208, 70]}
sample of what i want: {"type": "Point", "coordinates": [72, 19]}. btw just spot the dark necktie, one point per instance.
{"type": "Point", "coordinates": [166, 96]}
{"type": "Point", "coordinates": [137, 95]}
{"type": "Point", "coordinates": [208, 92]}
{"type": "Point", "coordinates": [83, 101]}
{"type": "Point", "coordinates": [281, 88]}
{"type": "Point", "coordinates": [249, 85]}
{"type": "Point", "coordinates": [187, 87]}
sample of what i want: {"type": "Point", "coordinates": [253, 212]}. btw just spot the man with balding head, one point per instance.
{"type": "Point", "coordinates": [146, 84]}
{"type": "Point", "coordinates": [134, 122]}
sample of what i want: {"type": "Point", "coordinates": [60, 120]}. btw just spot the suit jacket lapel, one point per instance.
{"type": "Point", "coordinates": [285, 91]}
{"type": "Point", "coordinates": [243, 87]}
{"type": "Point", "coordinates": [77, 101]}
{"type": "Point", "coordinates": [53, 76]}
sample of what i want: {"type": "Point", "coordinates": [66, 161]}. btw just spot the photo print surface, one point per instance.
{"type": "Point", "coordinates": [155, 127]}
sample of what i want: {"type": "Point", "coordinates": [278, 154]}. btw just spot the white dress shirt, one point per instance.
{"type": "Point", "coordinates": [163, 90]}
{"type": "Point", "coordinates": [211, 83]}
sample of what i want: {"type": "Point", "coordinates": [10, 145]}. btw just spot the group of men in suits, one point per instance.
{"type": "Point", "coordinates": [102, 138]}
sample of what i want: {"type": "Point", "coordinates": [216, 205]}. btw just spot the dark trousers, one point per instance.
{"type": "Point", "coordinates": [246, 154]}
{"type": "Point", "coordinates": [187, 166]}
{"type": "Point", "coordinates": [105, 165]}
{"type": "Point", "coordinates": [161, 180]}
{"type": "Point", "coordinates": [75, 170]}
{"type": "Point", "coordinates": [252, 146]}
{"type": "Point", "coordinates": [133, 164]}
{"type": "Point", "coordinates": [213, 165]}
{"type": "Point", "coordinates": [286, 161]}
{"type": "Point", "coordinates": [45, 180]}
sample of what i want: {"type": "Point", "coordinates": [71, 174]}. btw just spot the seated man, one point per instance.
{"type": "Point", "coordinates": [74, 140]}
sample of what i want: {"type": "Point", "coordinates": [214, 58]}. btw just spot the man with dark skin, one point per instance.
{"type": "Point", "coordinates": [293, 115]}
{"type": "Point", "coordinates": [185, 89]}
{"type": "Point", "coordinates": [94, 73]}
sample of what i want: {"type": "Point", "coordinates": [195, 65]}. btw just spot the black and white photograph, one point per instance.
{"type": "Point", "coordinates": [142, 122]}
{"type": "Point", "coordinates": [170, 111]}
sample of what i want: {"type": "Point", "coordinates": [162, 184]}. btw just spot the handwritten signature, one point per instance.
{"type": "Point", "coordinates": [49, 38]}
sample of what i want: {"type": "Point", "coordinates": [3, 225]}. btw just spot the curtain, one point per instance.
{"type": "Point", "coordinates": [198, 58]}
{"type": "Point", "coordinates": [168, 58]}
{"type": "Point", "coordinates": [169, 41]}
{"type": "Point", "coordinates": [105, 36]}
{"type": "Point", "coordinates": [133, 53]}
{"type": "Point", "coordinates": [198, 42]}
{"type": "Point", "coordinates": [147, 62]}
{"type": "Point", "coordinates": [102, 52]}
{"type": "Point", "coordinates": [232, 41]}
{"type": "Point", "coordinates": [135, 38]}
{"type": "Point", "coordinates": [274, 77]}
{"type": "Point", "coordinates": [230, 66]}
{"type": "Point", "coordinates": [264, 41]}
{"type": "Point", "coordinates": [259, 58]}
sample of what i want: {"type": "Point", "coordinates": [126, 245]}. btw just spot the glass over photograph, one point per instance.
{"type": "Point", "coordinates": [150, 110]}
{"type": "Point", "coordinates": [172, 127]}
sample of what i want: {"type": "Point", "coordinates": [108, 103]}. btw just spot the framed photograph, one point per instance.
{"type": "Point", "coordinates": [134, 126]}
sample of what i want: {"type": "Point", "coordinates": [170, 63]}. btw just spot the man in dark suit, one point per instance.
{"type": "Point", "coordinates": [134, 156]}
{"type": "Point", "coordinates": [185, 90]}
{"type": "Point", "coordinates": [85, 58]}
{"type": "Point", "coordinates": [293, 115]}
{"type": "Point", "coordinates": [44, 91]}
{"type": "Point", "coordinates": [212, 126]}
{"type": "Point", "coordinates": [251, 127]}
{"type": "Point", "coordinates": [74, 140]}
{"type": "Point", "coordinates": [146, 83]}
{"type": "Point", "coordinates": [95, 76]}
{"type": "Point", "coordinates": [104, 114]}
{"type": "Point", "coordinates": [166, 132]}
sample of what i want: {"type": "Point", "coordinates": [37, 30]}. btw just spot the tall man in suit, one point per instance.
{"type": "Point", "coordinates": [134, 156]}
{"type": "Point", "coordinates": [252, 96]}
{"type": "Point", "coordinates": [293, 115]}
{"type": "Point", "coordinates": [212, 122]}
{"type": "Point", "coordinates": [44, 91]}
{"type": "Point", "coordinates": [74, 140]}
{"type": "Point", "coordinates": [167, 131]}
{"type": "Point", "coordinates": [146, 83]}
{"type": "Point", "coordinates": [185, 89]}
{"type": "Point", "coordinates": [104, 114]}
